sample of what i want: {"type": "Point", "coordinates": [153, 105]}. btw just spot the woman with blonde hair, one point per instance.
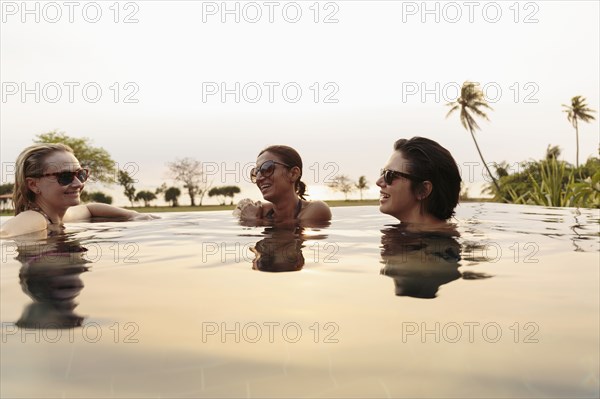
{"type": "Point", "coordinates": [48, 184]}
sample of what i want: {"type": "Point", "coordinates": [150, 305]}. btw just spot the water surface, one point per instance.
{"type": "Point", "coordinates": [195, 305]}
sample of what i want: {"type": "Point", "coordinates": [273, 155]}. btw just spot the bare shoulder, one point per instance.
{"type": "Point", "coordinates": [315, 210]}
{"type": "Point", "coordinates": [24, 223]}
{"type": "Point", "coordinates": [77, 213]}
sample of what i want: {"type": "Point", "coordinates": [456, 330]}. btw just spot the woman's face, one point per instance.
{"type": "Point", "coordinates": [49, 193]}
{"type": "Point", "coordinates": [397, 199]}
{"type": "Point", "coordinates": [276, 180]}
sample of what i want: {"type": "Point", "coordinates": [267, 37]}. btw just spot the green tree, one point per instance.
{"type": "Point", "coordinates": [578, 111]}
{"type": "Point", "coordinates": [515, 179]}
{"type": "Point", "coordinates": [145, 196]}
{"type": "Point", "coordinates": [362, 185]}
{"type": "Point", "coordinates": [217, 192]}
{"type": "Point", "coordinates": [161, 189]}
{"type": "Point", "coordinates": [99, 196]}
{"type": "Point", "coordinates": [231, 191]}
{"type": "Point", "coordinates": [343, 184]}
{"type": "Point", "coordinates": [223, 192]}
{"type": "Point", "coordinates": [502, 169]}
{"type": "Point", "coordinates": [552, 151]}
{"type": "Point", "coordinates": [191, 173]}
{"type": "Point", "coordinates": [98, 160]}
{"type": "Point", "coordinates": [552, 182]}
{"type": "Point", "coordinates": [471, 102]}
{"type": "Point", "coordinates": [127, 181]}
{"type": "Point", "coordinates": [5, 189]}
{"type": "Point", "coordinates": [171, 195]}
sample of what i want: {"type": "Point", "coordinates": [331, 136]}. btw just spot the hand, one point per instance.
{"type": "Point", "coordinates": [248, 210]}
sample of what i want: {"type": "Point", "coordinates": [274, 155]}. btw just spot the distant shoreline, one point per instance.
{"type": "Point", "coordinates": [207, 208]}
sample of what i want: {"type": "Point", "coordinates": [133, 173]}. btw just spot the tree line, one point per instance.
{"type": "Point", "coordinates": [547, 182]}
{"type": "Point", "coordinates": [187, 172]}
{"type": "Point", "coordinates": [543, 182]}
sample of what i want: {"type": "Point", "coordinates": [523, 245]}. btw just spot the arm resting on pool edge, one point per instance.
{"type": "Point", "coordinates": [30, 221]}
{"type": "Point", "coordinates": [88, 211]}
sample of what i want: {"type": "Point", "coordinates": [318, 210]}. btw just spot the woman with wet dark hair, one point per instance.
{"type": "Point", "coordinates": [420, 183]}
{"type": "Point", "coordinates": [277, 175]}
{"type": "Point", "coordinates": [279, 251]}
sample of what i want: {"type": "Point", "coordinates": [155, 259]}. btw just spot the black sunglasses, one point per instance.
{"type": "Point", "coordinates": [390, 175]}
{"type": "Point", "coordinates": [266, 169]}
{"type": "Point", "coordinates": [65, 178]}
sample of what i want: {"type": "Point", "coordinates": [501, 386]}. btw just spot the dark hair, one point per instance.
{"type": "Point", "coordinates": [428, 160]}
{"type": "Point", "coordinates": [290, 157]}
{"type": "Point", "coordinates": [279, 255]}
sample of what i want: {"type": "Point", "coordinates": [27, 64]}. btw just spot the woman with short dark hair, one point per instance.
{"type": "Point", "coordinates": [420, 183]}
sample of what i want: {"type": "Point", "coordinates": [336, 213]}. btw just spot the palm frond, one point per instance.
{"type": "Point", "coordinates": [454, 108]}
{"type": "Point", "coordinates": [470, 121]}
{"type": "Point", "coordinates": [482, 104]}
{"type": "Point", "coordinates": [479, 113]}
{"type": "Point", "coordinates": [586, 117]}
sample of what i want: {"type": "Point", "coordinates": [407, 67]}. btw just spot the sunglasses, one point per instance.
{"type": "Point", "coordinates": [390, 175]}
{"type": "Point", "coordinates": [266, 169]}
{"type": "Point", "coordinates": [67, 177]}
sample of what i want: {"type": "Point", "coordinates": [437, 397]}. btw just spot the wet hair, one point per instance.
{"type": "Point", "coordinates": [427, 160]}
{"type": "Point", "coordinates": [279, 256]}
{"type": "Point", "coordinates": [31, 162]}
{"type": "Point", "coordinates": [290, 157]}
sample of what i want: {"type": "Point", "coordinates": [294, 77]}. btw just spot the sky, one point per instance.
{"type": "Point", "coordinates": [340, 81]}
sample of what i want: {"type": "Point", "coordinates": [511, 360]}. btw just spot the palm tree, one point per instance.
{"type": "Point", "coordinates": [470, 101]}
{"type": "Point", "coordinates": [552, 152]}
{"type": "Point", "coordinates": [362, 185]}
{"type": "Point", "coordinates": [578, 110]}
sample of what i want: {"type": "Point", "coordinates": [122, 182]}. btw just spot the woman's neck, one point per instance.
{"type": "Point", "coordinates": [422, 219]}
{"type": "Point", "coordinates": [55, 216]}
{"type": "Point", "coordinates": [285, 208]}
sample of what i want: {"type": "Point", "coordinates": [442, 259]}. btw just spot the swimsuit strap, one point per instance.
{"type": "Point", "coordinates": [41, 212]}
{"type": "Point", "coordinates": [271, 212]}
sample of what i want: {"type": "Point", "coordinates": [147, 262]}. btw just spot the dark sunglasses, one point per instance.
{"type": "Point", "coordinates": [65, 178]}
{"type": "Point", "coordinates": [390, 175]}
{"type": "Point", "coordinates": [266, 169]}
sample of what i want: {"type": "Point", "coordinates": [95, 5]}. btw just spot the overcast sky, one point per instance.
{"type": "Point", "coordinates": [340, 81]}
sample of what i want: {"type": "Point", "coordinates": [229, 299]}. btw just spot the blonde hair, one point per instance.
{"type": "Point", "coordinates": [30, 163]}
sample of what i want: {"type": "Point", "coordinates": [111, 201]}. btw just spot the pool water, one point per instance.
{"type": "Point", "coordinates": [197, 305]}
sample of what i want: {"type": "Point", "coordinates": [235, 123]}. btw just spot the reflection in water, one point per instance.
{"type": "Point", "coordinates": [279, 251]}
{"type": "Point", "coordinates": [281, 248]}
{"type": "Point", "coordinates": [50, 276]}
{"type": "Point", "coordinates": [420, 263]}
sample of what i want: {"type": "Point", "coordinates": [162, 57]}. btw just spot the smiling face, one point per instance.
{"type": "Point", "coordinates": [279, 183]}
{"type": "Point", "coordinates": [49, 194]}
{"type": "Point", "coordinates": [397, 199]}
